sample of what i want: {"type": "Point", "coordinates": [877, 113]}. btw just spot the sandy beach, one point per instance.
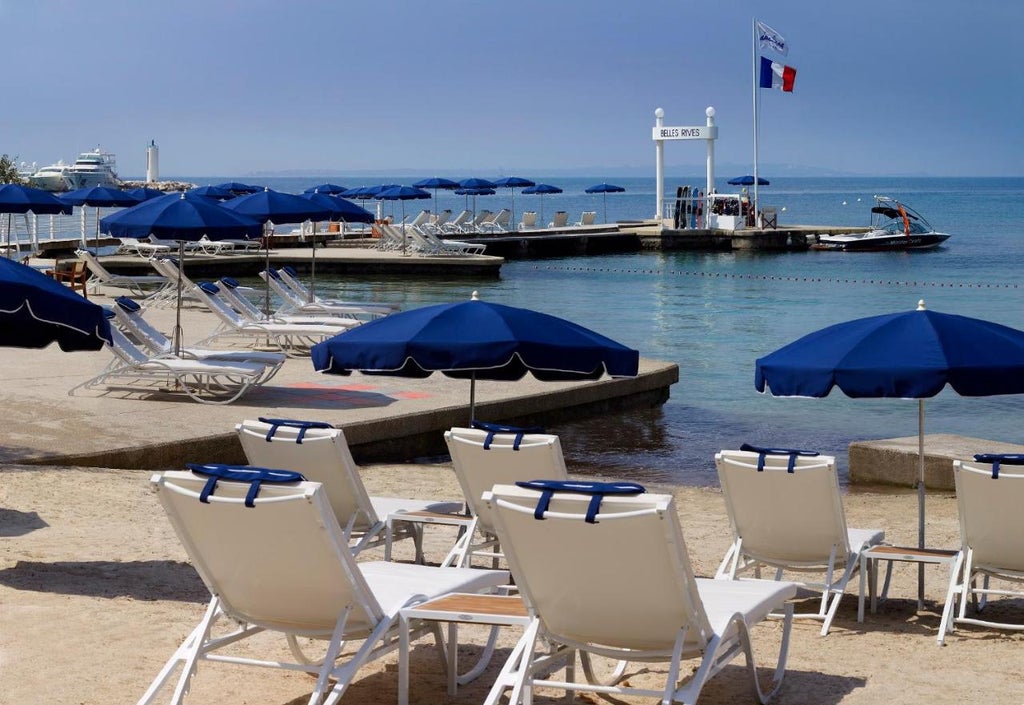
{"type": "Point", "coordinates": [96, 592]}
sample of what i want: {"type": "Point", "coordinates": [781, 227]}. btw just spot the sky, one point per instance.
{"type": "Point", "coordinates": [484, 88]}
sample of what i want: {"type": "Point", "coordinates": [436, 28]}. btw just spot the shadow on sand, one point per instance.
{"type": "Point", "coordinates": [139, 580]}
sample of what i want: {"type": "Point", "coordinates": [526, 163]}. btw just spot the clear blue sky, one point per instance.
{"type": "Point", "coordinates": [481, 87]}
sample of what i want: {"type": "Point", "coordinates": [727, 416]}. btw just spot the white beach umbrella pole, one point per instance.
{"type": "Point", "coordinates": [920, 500]}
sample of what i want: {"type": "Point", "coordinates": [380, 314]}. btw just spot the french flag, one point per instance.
{"type": "Point", "coordinates": [776, 75]}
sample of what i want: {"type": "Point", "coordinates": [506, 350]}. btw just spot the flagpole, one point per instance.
{"type": "Point", "coordinates": [757, 108]}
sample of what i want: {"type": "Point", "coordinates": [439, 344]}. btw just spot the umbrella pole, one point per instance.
{"type": "Point", "coordinates": [920, 500]}
{"type": "Point", "coordinates": [312, 269]}
{"type": "Point", "coordinates": [177, 317]}
{"type": "Point", "coordinates": [266, 295]}
{"type": "Point", "coordinates": [403, 228]}
{"type": "Point", "coordinates": [472, 398]}
{"type": "Point", "coordinates": [605, 207]}
{"type": "Point", "coordinates": [97, 231]}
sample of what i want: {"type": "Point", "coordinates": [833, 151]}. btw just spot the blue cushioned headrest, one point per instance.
{"type": "Point", "coordinates": [108, 313]}
{"type": "Point", "coordinates": [229, 282]}
{"type": "Point", "coordinates": [495, 428]}
{"type": "Point", "coordinates": [209, 287]}
{"type": "Point", "coordinates": [303, 426]}
{"type": "Point", "coordinates": [127, 304]}
{"type": "Point", "coordinates": [791, 452]}
{"type": "Point", "coordinates": [997, 459]}
{"type": "Point", "coordinates": [290, 270]}
{"type": "Point", "coordinates": [241, 473]}
{"type": "Point", "coordinates": [597, 490]}
{"type": "Point", "coordinates": [273, 274]}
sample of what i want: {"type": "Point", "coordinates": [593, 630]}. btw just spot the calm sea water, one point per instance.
{"type": "Point", "coordinates": [714, 314]}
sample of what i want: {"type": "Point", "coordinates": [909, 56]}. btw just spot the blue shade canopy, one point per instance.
{"type": "Point", "coordinates": [239, 188]}
{"type": "Point", "coordinates": [604, 188]}
{"type": "Point", "coordinates": [276, 206]}
{"type": "Point", "coordinates": [474, 192]}
{"type": "Point", "coordinates": [15, 198]}
{"type": "Point", "coordinates": [144, 193]}
{"type": "Point", "coordinates": [909, 355]}
{"type": "Point", "coordinates": [329, 189]}
{"type": "Point", "coordinates": [748, 180]}
{"type": "Point", "coordinates": [99, 197]}
{"type": "Point", "coordinates": [217, 192]}
{"type": "Point", "coordinates": [475, 339]}
{"type": "Point", "coordinates": [177, 217]}
{"type": "Point", "coordinates": [542, 189]}
{"type": "Point", "coordinates": [36, 310]}
{"type": "Point", "coordinates": [436, 182]}
{"type": "Point", "coordinates": [340, 208]}
{"type": "Point", "coordinates": [476, 183]}
{"type": "Point", "coordinates": [514, 182]}
{"type": "Point", "coordinates": [402, 193]}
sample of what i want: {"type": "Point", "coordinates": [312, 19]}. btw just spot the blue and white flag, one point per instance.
{"type": "Point", "coordinates": [770, 39]}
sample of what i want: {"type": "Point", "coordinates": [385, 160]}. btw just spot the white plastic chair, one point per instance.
{"type": "Point", "coordinates": [529, 220]}
{"type": "Point", "coordinates": [786, 514]}
{"type": "Point", "coordinates": [280, 563]}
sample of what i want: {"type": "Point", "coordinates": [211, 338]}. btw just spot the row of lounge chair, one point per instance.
{"type": "Point", "coordinates": [154, 246]}
{"type": "Point", "coordinates": [486, 222]}
{"type": "Point", "coordinates": [574, 549]}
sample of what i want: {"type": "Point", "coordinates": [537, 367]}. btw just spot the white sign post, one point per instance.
{"type": "Point", "coordinates": [708, 133]}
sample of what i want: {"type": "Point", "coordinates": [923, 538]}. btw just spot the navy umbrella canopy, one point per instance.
{"type": "Point", "coordinates": [340, 209]}
{"type": "Point", "coordinates": [216, 192]}
{"type": "Point", "coordinates": [908, 355]}
{"type": "Point", "coordinates": [329, 189]}
{"type": "Point", "coordinates": [403, 194]}
{"type": "Point", "coordinates": [144, 193]}
{"type": "Point", "coordinates": [436, 183]}
{"type": "Point", "coordinates": [477, 183]}
{"type": "Point", "coordinates": [476, 340]}
{"type": "Point", "coordinates": [748, 180]}
{"type": "Point", "coordinates": [15, 198]}
{"type": "Point", "coordinates": [542, 189]}
{"type": "Point", "coordinates": [36, 310]}
{"type": "Point", "coordinates": [239, 188]}
{"type": "Point", "coordinates": [98, 197]}
{"type": "Point", "coordinates": [512, 183]}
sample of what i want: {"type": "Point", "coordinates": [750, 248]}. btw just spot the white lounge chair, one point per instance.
{"type": "Point", "coordinates": [559, 220]}
{"type": "Point", "coordinates": [279, 563]}
{"type": "Point", "coordinates": [205, 381]}
{"type": "Point", "coordinates": [612, 577]}
{"type": "Point", "coordinates": [529, 220]}
{"type": "Point", "coordinates": [168, 296]}
{"type": "Point", "coordinates": [437, 223]}
{"type": "Point", "coordinates": [587, 218]}
{"type": "Point", "coordinates": [188, 246]}
{"type": "Point", "coordinates": [128, 316]}
{"type": "Point", "coordinates": [229, 291]}
{"type": "Point", "coordinates": [455, 224]}
{"type": "Point", "coordinates": [427, 244]}
{"type": "Point", "coordinates": [499, 223]}
{"type": "Point", "coordinates": [319, 451]}
{"type": "Point", "coordinates": [293, 304]}
{"type": "Point", "coordinates": [473, 225]}
{"type": "Point", "coordinates": [291, 338]}
{"type": "Point", "coordinates": [291, 278]}
{"type": "Point", "coordinates": [99, 276]}
{"type": "Point", "coordinates": [135, 246]}
{"type": "Point", "coordinates": [786, 514]}
{"type": "Point", "coordinates": [215, 247]}
{"type": "Point", "coordinates": [989, 496]}
{"type": "Point", "coordinates": [483, 459]}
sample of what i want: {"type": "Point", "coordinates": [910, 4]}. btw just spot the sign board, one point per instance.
{"type": "Point", "coordinates": [701, 132]}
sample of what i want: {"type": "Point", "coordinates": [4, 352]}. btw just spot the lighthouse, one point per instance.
{"type": "Point", "coordinates": [152, 163]}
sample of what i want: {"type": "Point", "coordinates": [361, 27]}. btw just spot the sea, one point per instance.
{"type": "Point", "coordinates": [715, 313]}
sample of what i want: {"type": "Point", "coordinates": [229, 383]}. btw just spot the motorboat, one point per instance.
{"type": "Point", "coordinates": [50, 178]}
{"type": "Point", "coordinates": [95, 168]}
{"type": "Point", "coordinates": [894, 226]}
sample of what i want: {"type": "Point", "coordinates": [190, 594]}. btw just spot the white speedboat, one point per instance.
{"type": "Point", "coordinates": [50, 178]}
{"type": "Point", "coordinates": [894, 226]}
{"type": "Point", "coordinates": [95, 168]}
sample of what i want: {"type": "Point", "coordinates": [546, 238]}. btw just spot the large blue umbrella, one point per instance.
{"type": "Point", "coordinates": [475, 339]}
{"type": "Point", "coordinates": [15, 198]}
{"type": "Point", "coordinates": [329, 189]}
{"type": "Point", "coordinates": [748, 180]}
{"type": "Point", "coordinates": [909, 355]}
{"type": "Point", "coordinates": [436, 183]}
{"type": "Point", "coordinates": [218, 193]}
{"type": "Point", "coordinates": [37, 311]}
{"type": "Point", "coordinates": [474, 192]}
{"type": "Point", "coordinates": [144, 193]}
{"type": "Point", "coordinates": [477, 183]}
{"type": "Point", "coordinates": [604, 190]}
{"type": "Point", "coordinates": [403, 194]}
{"type": "Point", "coordinates": [238, 188]}
{"type": "Point", "coordinates": [98, 197]}
{"type": "Point", "coordinates": [542, 189]}
{"type": "Point", "coordinates": [179, 217]}
{"type": "Point", "coordinates": [512, 183]}
{"type": "Point", "coordinates": [340, 209]}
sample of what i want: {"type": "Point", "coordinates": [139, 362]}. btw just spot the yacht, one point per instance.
{"type": "Point", "coordinates": [95, 168]}
{"type": "Point", "coordinates": [894, 226]}
{"type": "Point", "coordinates": [49, 178]}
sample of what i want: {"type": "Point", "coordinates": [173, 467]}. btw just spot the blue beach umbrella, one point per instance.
{"type": "Point", "coordinates": [541, 189]}
{"type": "Point", "coordinates": [98, 197]}
{"type": "Point", "coordinates": [238, 188]}
{"type": "Point", "coordinates": [144, 193]}
{"type": "Point", "coordinates": [909, 355]}
{"type": "Point", "coordinates": [329, 189]}
{"type": "Point", "coordinates": [512, 183]}
{"type": "Point", "coordinates": [474, 192]}
{"type": "Point", "coordinates": [15, 198]}
{"type": "Point", "coordinates": [403, 194]}
{"type": "Point", "coordinates": [179, 217]}
{"type": "Point", "coordinates": [748, 180]}
{"type": "Point", "coordinates": [476, 340]}
{"type": "Point", "coordinates": [436, 183]}
{"type": "Point", "coordinates": [340, 209]}
{"type": "Point", "coordinates": [604, 190]}
{"type": "Point", "coordinates": [37, 310]}
{"type": "Point", "coordinates": [218, 193]}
